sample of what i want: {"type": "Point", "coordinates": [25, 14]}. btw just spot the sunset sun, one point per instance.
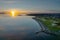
{"type": "Point", "coordinates": [12, 13]}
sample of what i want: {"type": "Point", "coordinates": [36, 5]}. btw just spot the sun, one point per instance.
{"type": "Point", "coordinates": [13, 13]}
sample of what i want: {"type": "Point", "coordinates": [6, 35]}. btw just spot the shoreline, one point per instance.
{"type": "Point", "coordinates": [45, 29]}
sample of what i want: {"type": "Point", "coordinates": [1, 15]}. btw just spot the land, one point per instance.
{"type": "Point", "coordinates": [52, 23]}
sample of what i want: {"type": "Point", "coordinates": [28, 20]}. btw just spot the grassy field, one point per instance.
{"type": "Point", "coordinates": [52, 23]}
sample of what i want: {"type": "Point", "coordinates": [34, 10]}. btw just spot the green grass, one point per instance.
{"type": "Point", "coordinates": [48, 23]}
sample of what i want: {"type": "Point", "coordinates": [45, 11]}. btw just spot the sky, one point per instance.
{"type": "Point", "coordinates": [42, 6]}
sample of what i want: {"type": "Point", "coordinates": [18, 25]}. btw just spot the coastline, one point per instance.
{"type": "Point", "coordinates": [45, 29]}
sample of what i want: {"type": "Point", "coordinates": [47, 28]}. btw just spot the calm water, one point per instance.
{"type": "Point", "coordinates": [20, 28]}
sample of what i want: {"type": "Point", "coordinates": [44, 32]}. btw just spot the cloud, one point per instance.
{"type": "Point", "coordinates": [54, 11]}
{"type": "Point", "coordinates": [8, 2]}
{"type": "Point", "coordinates": [45, 11]}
